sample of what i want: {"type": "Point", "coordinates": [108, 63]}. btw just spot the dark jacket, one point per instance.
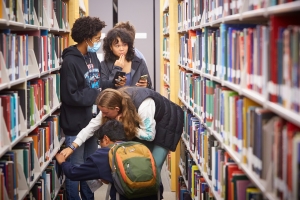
{"type": "Point", "coordinates": [168, 116]}
{"type": "Point", "coordinates": [96, 166]}
{"type": "Point", "coordinates": [79, 88]}
{"type": "Point", "coordinates": [138, 68]}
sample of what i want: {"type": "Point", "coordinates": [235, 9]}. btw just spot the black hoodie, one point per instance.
{"type": "Point", "coordinates": [79, 89]}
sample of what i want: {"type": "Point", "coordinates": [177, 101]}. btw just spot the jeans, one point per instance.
{"type": "Point", "coordinates": [159, 154]}
{"type": "Point", "coordinates": [78, 157]}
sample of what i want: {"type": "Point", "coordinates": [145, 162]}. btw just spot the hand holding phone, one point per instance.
{"type": "Point", "coordinates": [143, 81]}
{"type": "Point", "coordinates": [116, 77]}
{"type": "Point", "coordinates": [144, 77]}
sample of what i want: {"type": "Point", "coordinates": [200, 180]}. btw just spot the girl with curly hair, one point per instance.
{"type": "Point", "coordinates": [119, 55]}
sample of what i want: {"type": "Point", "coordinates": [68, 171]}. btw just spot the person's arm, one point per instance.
{"type": "Point", "coordinates": [84, 134]}
{"type": "Point", "coordinates": [71, 94]}
{"type": "Point", "coordinates": [108, 71]}
{"type": "Point", "coordinates": [86, 171]}
{"type": "Point", "coordinates": [147, 129]}
{"type": "Point", "coordinates": [105, 82]}
{"type": "Point", "coordinates": [89, 130]}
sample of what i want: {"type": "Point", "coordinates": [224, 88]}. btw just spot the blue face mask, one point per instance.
{"type": "Point", "coordinates": [96, 46]}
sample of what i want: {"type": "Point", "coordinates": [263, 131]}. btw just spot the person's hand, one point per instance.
{"type": "Point", "coordinates": [121, 82]}
{"type": "Point", "coordinates": [142, 83]}
{"type": "Point", "coordinates": [120, 62]}
{"type": "Point", "coordinates": [60, 158]}
{"type": "Point", "coordinates": [66, 152]}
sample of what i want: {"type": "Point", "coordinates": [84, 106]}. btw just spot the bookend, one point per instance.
{"type": "Point", "coordinates": [22, 125]}
{"type": "Point", "coordinates": [55, 24]}
{"type": "Point", "coordinates": [20, 14]}
{"type": "Point", "coordinates": [22, 183]}
{"type": "Point", "coordinates": [5, 140]}
{"type": "Point", "coordinates": [56, 103]}
{"type": "Point", "coordinates": [4, 13]}
{"type": "Point", "coordinates": [46, 19]}
{"type": "Point", "coordinates": [56, 62]}
{"type": "Point", "coordinates": [33, 68]}
{"type": "Point", "coordinates": [4, 72]}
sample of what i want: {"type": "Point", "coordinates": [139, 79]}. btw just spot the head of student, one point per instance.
{"type": "Point", "coordinates": [110, 132]}
{"type": "Point", "coordinates": [117, 42]}
{"type": "Point", "coordinates": [129, 27]}
{"type": "Point", "coordinates": [114, 104]}
{"type": "Point", "coordinates": [87, 31]}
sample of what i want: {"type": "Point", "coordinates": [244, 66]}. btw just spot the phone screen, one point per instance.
{"type": "Point", "coordinates": [144, 77]}
{"type": "Point", "coordinates": [119, 73]}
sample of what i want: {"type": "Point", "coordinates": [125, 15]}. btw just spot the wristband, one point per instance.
{"type": "Point", "coordinates": [71, 146]}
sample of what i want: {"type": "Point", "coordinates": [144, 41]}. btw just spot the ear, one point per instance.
{"type": "Point", "coordinates": [106, 139]}
{"type": "Point", "coordinates": [117, 109]}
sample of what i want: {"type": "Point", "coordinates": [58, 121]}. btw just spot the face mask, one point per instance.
{"type": "Point", "coordinates": [96, 46]}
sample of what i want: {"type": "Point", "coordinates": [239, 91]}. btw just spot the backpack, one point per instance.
{"type": "Point", "coordinates": [134, 170]}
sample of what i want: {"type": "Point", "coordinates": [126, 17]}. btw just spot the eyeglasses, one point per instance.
{"type": "Point", "coordinates": [96, 40]}
{"type": "Point", "coordinates": [99, 142]}
{"type": "Point", "coordinates": [120, 45]}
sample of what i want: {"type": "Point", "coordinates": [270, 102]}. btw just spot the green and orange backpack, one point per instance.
{"type": "Point", "coordinates": [134, 171]}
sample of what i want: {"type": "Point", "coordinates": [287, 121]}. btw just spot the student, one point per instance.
{"type": "Point", "coordinates": [146, 115]}
{"type": "Point", "coordinates": [97, 165]}
{"type": "Point", "coordinates": [130, 28]}
{"type": "Point", "coordinates": [80, 78]}
{"type": "Point", "coordinates": [119, 56]}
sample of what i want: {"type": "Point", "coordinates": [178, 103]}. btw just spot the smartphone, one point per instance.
{"type": "Point", "coordinates": [118, 73]}
{"type": "Point", "coordinates": [144, 77]}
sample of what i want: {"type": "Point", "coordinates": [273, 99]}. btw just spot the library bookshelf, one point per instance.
{"type": "Point", "coordinates": [239, 70]}
{"type": "Point", "coordinates": [77, 9]}
{"type": "Point", "coordinates": [169, 58]}
{"type": "Point", "coordinates": [33, 35]}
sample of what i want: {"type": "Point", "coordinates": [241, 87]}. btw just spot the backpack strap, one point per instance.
{"type": "Point", "coordinates": [108, 192]}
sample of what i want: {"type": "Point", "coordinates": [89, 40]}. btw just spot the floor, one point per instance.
{"type": "Point", "coordinates": [168, 194]}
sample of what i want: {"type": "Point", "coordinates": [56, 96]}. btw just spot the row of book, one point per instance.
{"type": "Point", "coordinates": [192, 12]}
{"type": "Point", "coordinates": [39, 144]}
{"type": "Point", "coordinates": [41, 95]}
{"type": "Point", "coordinates": [43, 137]}
{"type": "Point", "coordinates": [36, 100]}
{"type": "Point", "coordinates": [166, 47]}
{"type": "Point", "coordinates": [16, 46]}
{"type": "Point", "coordinates": [26, 10]}
{"type": "Point", "coordinates": [246, 129]}
{"type": "Point", "coordinates": [228, 181]}
{"type": "Point", "coordinates": [166, 91]}
{"type": "Point", "coordinates": [241, 54]}
{"type": "Point", "coordinates": [49, 184]}
{"type": "Point", "coordinates": [167, 71]}
{"type": "Point", "coordinates": [165, 23]}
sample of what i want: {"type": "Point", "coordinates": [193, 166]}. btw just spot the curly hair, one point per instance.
{"type": "Point", "coordinates": [112, 38]}
{"type": "Point", "coordinates": [111, 98]}
{"type": "Point", "coordinates": [129, 27]}
{"type": "Point", "coordinates": [85, 28]}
